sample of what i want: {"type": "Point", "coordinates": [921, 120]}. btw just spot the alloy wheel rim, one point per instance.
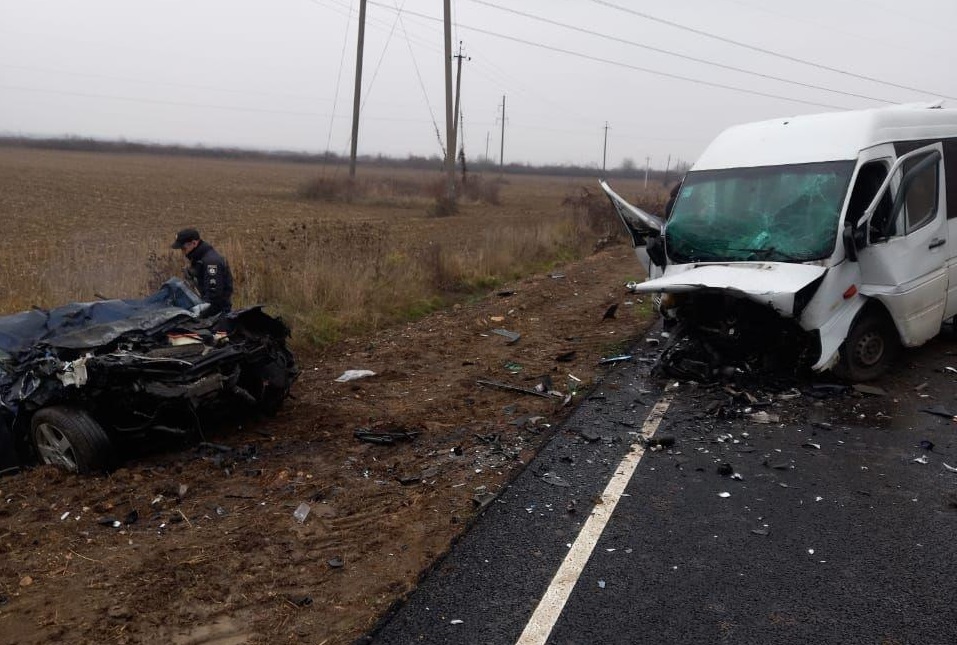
{"type": "Point", "coordinates": [54, 447]}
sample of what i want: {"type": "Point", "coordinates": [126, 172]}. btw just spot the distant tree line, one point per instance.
{"type": "Point", "coordinates": [628, 168]}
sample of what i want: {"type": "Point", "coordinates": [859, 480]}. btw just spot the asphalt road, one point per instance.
{"type": "Point", "coordinates": [832, 534]}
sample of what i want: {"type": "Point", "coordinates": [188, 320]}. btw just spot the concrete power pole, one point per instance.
{"type": "Point", "coordinates": [449, 117]}
{"type": "Point", "coordinates": [501, 159]}
{"type": "Point", "coordinates": [487, 136]}
{"type": "Point", "coordinates": [604, 152]}
{"type": "Point", "coordinates": [458, 90]}
{"type": "Point", "coordinates": [355, 103]}
{"type": "Point", "coordinates": [647, 167]}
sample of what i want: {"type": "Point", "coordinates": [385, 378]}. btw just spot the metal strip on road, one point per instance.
{"type": "Point", "coordinates": [550, 607]}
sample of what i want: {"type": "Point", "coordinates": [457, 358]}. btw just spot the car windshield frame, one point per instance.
{"type": "Point", "coordinates": [786, 213]}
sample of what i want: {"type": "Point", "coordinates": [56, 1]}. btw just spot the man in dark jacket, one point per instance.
{"type": "Point", "coordinates": [207, 270]}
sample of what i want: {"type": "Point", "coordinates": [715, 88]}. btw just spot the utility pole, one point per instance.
{"type": "Point", "coordinates": [501, 159]}
{"type": "Point", "coordinates": [487, 136]}
{"type": "Point", "coordinates": [647, 167]}
{"type": "Point", "coordinates": [458, 89]}
{"type": "Point", "coordinates": [667, 169]}
{"type": "Point", "coordinates": [449, 117]}
{"type": "Point", "coordinates": [604, 152]}
{"type": "Point", "coordinates": [355, 102]}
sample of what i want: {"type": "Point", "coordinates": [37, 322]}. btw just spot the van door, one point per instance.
{"type": "Point", "coordinates": [904, 261]}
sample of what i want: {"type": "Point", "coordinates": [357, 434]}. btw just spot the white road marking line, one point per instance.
{"type": "Point", "coordinates": [549, 608]}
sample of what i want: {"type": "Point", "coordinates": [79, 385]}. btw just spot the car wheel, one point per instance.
{"type": "Point", "coordinates": [71, 439]}
{"type": "Point", "coordinates": [869, 349]}
{"type": "Point", "coordinates": [276, 378]}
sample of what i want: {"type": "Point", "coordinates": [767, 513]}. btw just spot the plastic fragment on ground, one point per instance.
{"type": "Point", "coordinates": [510, 336]}
{"type": "Point", "coordinates": [555, 480]}
{"type": "Point", "coordinates": [302, 512]}
{"type": "Point", "coordinates": [512, 388]}
{"type": "Point", "coordinates": [615, 359]}
{"type": "Point", "coordinates": [940, 411]}
{"type": "Point", "coordinates": [352, 375]}
{"type": "Point", "coordinates": [869, 389]}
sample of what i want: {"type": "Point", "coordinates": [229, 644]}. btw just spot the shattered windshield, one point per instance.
{"type": "Point", "coordinates": [780, 213]}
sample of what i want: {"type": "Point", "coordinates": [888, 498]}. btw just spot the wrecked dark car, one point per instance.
{"type": "Point", "coordinates": [77, 380]}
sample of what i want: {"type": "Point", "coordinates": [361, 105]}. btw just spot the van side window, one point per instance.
{"type": "Point", "coordinates": [869, 180]}
{"type": "Point", "coordinates": [920, 202]}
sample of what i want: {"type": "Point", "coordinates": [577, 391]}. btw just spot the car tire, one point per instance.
{"type": "Point", "coordinates": [276, 378]}
{"type": "Point", "coordinates": [71, 439]}
{"type": "Point", "coordinates": [869, 349]}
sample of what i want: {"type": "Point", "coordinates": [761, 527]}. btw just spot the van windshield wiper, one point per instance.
{"type": "Point", "coordinates": [766, 254]}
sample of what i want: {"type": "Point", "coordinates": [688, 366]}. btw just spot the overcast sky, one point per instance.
{"type": "Point", "coordinates": [279, 74]}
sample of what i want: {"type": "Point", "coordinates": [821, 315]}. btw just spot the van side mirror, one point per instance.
{"type": "Point", "coordinates": [850, 243]}
{"type": "Point", "coordinates": [656, 251]}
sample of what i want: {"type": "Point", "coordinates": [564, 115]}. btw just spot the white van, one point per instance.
{"type": "Point", "coordinates": [838, 223]}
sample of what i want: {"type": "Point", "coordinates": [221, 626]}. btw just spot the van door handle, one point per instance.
{"type": "Point", "coordinates": [935, 243]}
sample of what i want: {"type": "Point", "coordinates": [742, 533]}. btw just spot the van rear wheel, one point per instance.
{"type": "Point", "coordinates": [869, 349]}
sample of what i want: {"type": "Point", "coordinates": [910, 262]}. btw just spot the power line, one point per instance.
{"type": "Point", "coordinates": [153, 83]}
{"type": "Point", "coordinates": [228, 108]}
{"type": "Point", "coordinates": [385, 48]}
{"type": "Point", "coordinates": [676, 54]}
{"type": "Point", "coordinates": [769, 52]}
{"type": "Point", "coordinates": [333, 4]}
{"type": "Point", "coordinates": [628, 65]}
{"type": "Point", "coordinates": [342, 59]}
{"type": "Point", "coordinates": [418, 75]}
{"type": "Point", "coordinates": [495, 74]}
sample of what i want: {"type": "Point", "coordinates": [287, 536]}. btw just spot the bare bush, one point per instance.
{"type": "Point", "coordinates": [330, 189]}
{"type": "Point", "coordinates": [595, 213]}
{"type": "Point", "coordinates": [160, 267]}
{"type": "Point", "coordinates": [484, 191]}
{"type": "Point", "coordinates": [443, 207]}
{"type": "Point", "coordinates": [652, 201]}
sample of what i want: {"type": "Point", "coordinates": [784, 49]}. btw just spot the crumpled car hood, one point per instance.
{"type": "Point", "coordinates": [774, 284]}
{"type": "Point", "coordinates": [87, 325]}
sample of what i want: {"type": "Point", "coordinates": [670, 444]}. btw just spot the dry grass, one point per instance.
{"type": "Point", "coordinates": [425, 190]}
{"type": "Point", "coordinates": [83, 225]}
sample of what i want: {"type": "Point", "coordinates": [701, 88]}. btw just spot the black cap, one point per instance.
{"type": "Point", "coordinates": [184, 236]}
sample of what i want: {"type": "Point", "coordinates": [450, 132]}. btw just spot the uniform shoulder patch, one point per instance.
{"type": "Point", "coordinates": [211, 269]}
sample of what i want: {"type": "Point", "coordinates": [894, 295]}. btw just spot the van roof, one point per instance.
{"type": "Point", "coordinates": [831, 136]}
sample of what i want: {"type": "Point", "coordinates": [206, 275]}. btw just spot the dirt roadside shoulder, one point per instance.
{"type": "Point", "coordinates": [200, 543]}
